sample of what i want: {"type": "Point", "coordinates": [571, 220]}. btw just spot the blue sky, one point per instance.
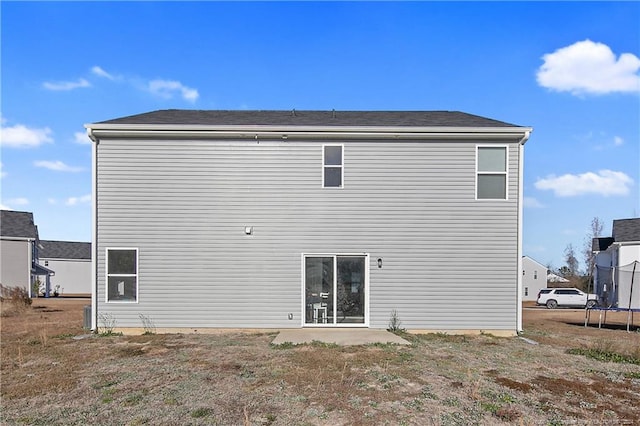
{"type": "Point", "coordinates": [570, 70]}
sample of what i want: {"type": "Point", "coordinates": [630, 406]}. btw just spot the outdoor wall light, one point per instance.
{"type": "Point", "coordinates": [379, 262]}
{"type": "Point", "coordinates": [248, 230]}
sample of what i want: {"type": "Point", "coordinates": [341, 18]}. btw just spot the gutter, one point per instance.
{"type": "Point", "coordinates": [94, 232]}
{"type": "Point", "coordinates": [96, 131]}
{"type": "Point", "coordinates": [524, 139]}
{"type": "Point", "coordinates": [625, 243]}
{"type": "Point", "coordinates": [4, 238]}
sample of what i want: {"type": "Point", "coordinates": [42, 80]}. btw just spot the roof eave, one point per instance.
{"type": "Point", "coordinates": [102, 130]}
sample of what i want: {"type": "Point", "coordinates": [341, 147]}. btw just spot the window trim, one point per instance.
{"type": "Point", "coordinates": [107, 275]}
{"type": "Point", "coordinates": [324, 166]}
{"type": "Point", "coordinates": [335, 255]}
{"type": "Point", "coordinates": [494, 173]}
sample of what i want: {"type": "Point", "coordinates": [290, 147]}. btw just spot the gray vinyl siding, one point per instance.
{"type": "Point", "coordinates": [449, 261]}
{"type": "Point", "coordinates": [15, 269]}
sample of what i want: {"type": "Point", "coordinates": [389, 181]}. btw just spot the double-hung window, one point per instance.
{"type": "Point", "coordinates": [122, 275]}
{"type": "Point", "coordinates": [491, 173]}
{"type": "Point", "coordinates": [332, 166]}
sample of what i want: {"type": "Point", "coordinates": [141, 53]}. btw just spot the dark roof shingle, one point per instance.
{"type": "Point", "coordinates": [626, 230]}
{"type": "Point", "coordinates": [311, 118]}
{"type": "Point", "coordinates": [64, 250]}
{"type": "Point", "coordinates": [601, 243]}
{"type": "Point", "coordinates": [17, 224]}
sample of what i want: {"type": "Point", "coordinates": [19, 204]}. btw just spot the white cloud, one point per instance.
{"type": "Point", "coordinates": [3, 207]}
{"type": "Point", "coordinates": [102, 73]}
{"type": "Point", "coordinates": [617, 140]}
{"type": "Point", "coordinates": [52, 201]}
{"type": "Point", "coordinates": [18, 201]}
{"type": "Point", "coordinates": [81, 138]}
{"type": "Point", "coordinates": [531, 202]}
{"type": "Point", "coordinates": [167, 88]}
{"type": "Point", "coordinates": [57, 166]}
{"type": "Point", "coordinates": [21, 136]}
{"type": "Point", "coordinates": [604, 182]}
{"type": "Point", "coordinates": [586, 67]}
{"type": "Point", "coordinates": [72, 201]}
{"type": "Point", "coordinates": [66, 85]}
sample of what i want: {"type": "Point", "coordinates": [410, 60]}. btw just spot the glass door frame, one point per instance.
{"type": "Point", "coordinates": [333, 323]}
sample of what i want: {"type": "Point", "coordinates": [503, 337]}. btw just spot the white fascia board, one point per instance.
{"type": "Point", "coordinates": [97, 131]}
{"type": "Point", "coordinates": [5, 238]}
{"type": "Point", "coordinates": [63, 259]}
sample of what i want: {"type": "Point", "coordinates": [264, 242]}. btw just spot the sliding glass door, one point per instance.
{"type": "Point", "coordinates": [335, 289]}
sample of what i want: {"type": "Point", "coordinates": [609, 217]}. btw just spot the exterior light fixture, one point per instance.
{"type": "Point", "coordinates": [379, 262]}
{"type": "Point", "coordinates": [248, 230]}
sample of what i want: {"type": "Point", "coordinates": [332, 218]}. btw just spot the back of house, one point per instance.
{"type": "Point", "coordinates": [288, 219]}
{"type": "Point", "coordinates": [617, 265]}
{"type": "Point", "coordinates": [71, 261]}
{"type": "Point", "coordinates": [19, 244]}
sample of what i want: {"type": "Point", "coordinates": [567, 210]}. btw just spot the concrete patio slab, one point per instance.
{"type": "Point", "coordinates": [339, 336]}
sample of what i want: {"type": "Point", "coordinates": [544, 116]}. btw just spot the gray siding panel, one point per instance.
{"type": "Point", "coordinates": [449, 261]}
{"type": "Point", "coordinates": [15, 264]}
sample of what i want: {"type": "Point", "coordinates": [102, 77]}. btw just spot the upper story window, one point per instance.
{"type": "Point", "coordinates": [332, 166]}
{"type": "Point", "coordinates": [491, 179]}
{"type": "Point", "coordinates": [122, 275]}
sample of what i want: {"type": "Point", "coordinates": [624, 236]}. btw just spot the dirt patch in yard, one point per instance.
{"type": "Point", "coordinates": [51, 376]}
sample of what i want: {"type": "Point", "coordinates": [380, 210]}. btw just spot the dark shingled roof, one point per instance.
{"type": "Point", "coordinates": [311, 118]}
{"type": "Point", "coordinates": [626, 230]}
{"type": "Point", "coordinates": [64, 250]}
{"type": "Point", "coordinates": [601, 243]}
{"type": "Point", "coordinates": [17, 224]}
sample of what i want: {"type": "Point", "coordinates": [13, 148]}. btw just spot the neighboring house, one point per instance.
{"type": "Point", "coordinates": [534, 278]}
{"type": "Point", "coordinates": [554, 280]}
{"type": "Point", "coordinates": [72, 262]}
{"type": "Point", "coordinates": [617, 265]}
{"type": "Point", "coordinates": [19, 246]}
{"type": "Point", "coordinates": [289, 219]}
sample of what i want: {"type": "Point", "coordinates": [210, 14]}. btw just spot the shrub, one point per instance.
{"type": "Point", "coordinates": [395, 325]}
{"type": "Point", "coordinates": [148, 324]}
{"type": "Point", "coordinates": [18, 297]}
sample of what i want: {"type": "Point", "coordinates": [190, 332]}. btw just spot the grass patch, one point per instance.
{"type": "Point", "coordinates": [604, 355]}
{"type": "Point", "coordinates": [199, 413]}
{"type": "Point", "coordinates": [632, 375]}
{"type": "Point", "coordinates": [284, 345]}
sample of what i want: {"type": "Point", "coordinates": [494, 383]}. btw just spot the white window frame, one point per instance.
{"type": "Point", "coordinates": [324, 166]}
{"type": "Point", "coordinates": [107, 275]}
{"type": "Point", "coordinates": [367, 267]}
{"type": "Point", "coordinates": [505, 173]}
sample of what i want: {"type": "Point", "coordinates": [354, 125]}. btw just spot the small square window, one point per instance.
{"type": "Point", "coordinates": [122, 275]}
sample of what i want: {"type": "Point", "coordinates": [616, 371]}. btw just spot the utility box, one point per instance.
{"type": "Point", "coordinates": [86, 318]}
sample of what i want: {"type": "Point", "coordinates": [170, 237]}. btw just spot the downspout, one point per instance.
{"type": "Point", "coordinates": [94, 231]}
{"type": "Point", "coordinates": [30, 276]}
{"type": "Point", "coordinates": [524, 139]}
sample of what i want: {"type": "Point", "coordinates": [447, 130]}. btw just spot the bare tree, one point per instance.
{"type": "Point", "coordinates": [571, 261]}
{"type": "Point", "coordinates": [597, 226]}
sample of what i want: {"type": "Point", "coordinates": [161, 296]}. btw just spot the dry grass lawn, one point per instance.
{"type": "Point", "coordinates": [50, 376]}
